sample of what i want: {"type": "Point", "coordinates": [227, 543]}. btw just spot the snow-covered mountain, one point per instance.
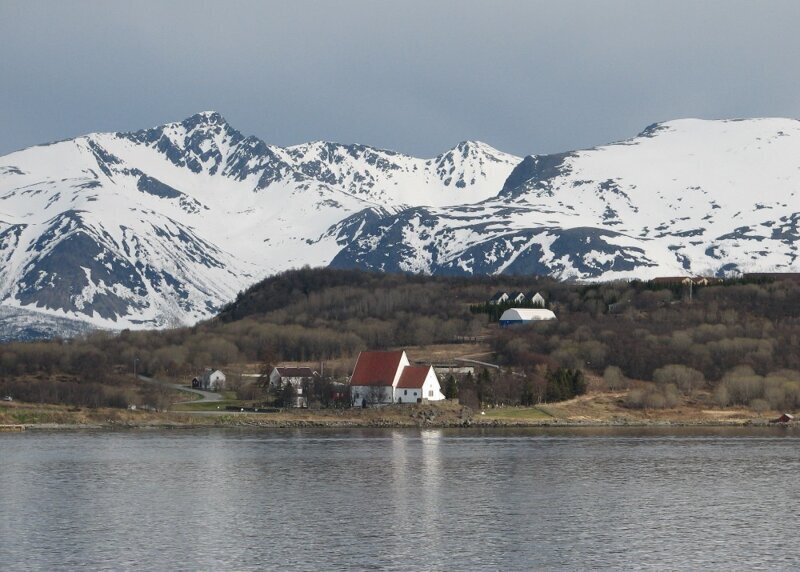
{"type": "Point", "coordinates": [683, 197]}
{"type": "Point", "coordinates": [163, 226]}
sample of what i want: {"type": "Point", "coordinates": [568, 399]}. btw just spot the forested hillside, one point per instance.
{"type": "Point", "coordinates": [740, 340]}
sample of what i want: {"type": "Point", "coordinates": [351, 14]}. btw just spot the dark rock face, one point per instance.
{"type": "Point", "coordinates": [58, 278]}
{"type": "Point", "coordinates": [534, 172]}
{"type": "Point", "coordinates": [156, 188]}
{"type": "Point", "coordinates": [384, 244]}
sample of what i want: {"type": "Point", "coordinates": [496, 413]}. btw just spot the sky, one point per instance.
{"type": "Point", "coordinates": [527, 77]}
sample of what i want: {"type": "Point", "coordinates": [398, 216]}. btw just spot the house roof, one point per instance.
{"type": "Point", "coordinates": [376, 368]}
{"type": "Point", "coordinates": [527, 315]}
{"type": "Point", "coordinates": [413, 376]}
{"type": "Point", "coordinates": [515, 295]}
{"type": "Point", "coordinates": [498, 295]}
{"type": "Point", "coordinates": [295, 371]}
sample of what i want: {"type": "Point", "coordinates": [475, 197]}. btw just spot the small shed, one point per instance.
{"type": "Point", "coordinates": [515, 316]}
{"type": "Point", "coordinates": [785, 418]}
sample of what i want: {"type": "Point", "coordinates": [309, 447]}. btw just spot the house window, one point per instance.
{"type": "Point", "coordinates": [405, 392]}
{"type": "Point", "coordinates": [430, 393]}
{"type": "Point", "coordinates": [415, 394]}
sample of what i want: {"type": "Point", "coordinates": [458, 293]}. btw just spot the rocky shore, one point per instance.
{"type": "Point", "coordinates": [449, 416]}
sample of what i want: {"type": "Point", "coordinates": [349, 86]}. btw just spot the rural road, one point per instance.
{"type": "Point", "coordinates": [205, 396]}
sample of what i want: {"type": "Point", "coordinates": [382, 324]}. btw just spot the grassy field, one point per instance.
{"type": "Point", "coordinates": [539, 413]}
{"type": "Point", "coordinates": [209, 405]}
{"type": "Point", "coordinates": [595, 408]}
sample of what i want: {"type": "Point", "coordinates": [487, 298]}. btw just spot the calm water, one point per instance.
{"type": "Point", "coordinates": [400, 500]}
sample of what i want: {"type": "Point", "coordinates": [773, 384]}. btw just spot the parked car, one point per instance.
{"type": "Point", "coordinates": [8, 398]}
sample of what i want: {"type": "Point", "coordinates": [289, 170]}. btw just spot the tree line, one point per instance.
{"type": "Point", "coordinates": [634, 328]}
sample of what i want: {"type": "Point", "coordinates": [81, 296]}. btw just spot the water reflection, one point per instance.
{"type": "Point", "coordinates": [397, 500]}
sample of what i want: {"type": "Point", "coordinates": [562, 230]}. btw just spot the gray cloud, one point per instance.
{"type": "Point", "coordinates": [416, 76]}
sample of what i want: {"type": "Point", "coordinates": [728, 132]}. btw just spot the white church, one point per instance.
{"type": "Point", "coordinates": [388, 377]}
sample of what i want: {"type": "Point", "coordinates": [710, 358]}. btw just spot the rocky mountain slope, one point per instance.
{"type": "Point", "coordinates": [162, 226]}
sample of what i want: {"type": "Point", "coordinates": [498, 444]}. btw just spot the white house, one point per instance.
{"type": "Point", "coordinates": [297, 377]}
{"type": "Point", "coordinates": [525, 315]}
{"type": "Point", "coordinates": [537, 300]}
{"type": "Point", "coordinates": [499, 298]}
{"type": "Point", "coordinates": [516, 298]}
{"type": "Point", "coordinates": [388, 377]}
{"type": "Point", "coordinates": [210, 380]}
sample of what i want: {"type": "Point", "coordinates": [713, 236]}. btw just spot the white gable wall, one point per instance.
{"type": "Point", "coordinates": [274, 377]}
{"type": "Point", "coordinates": [212, 381]}
{"type": "Point", "coordinates": [431, 389]}
{"type": "Point", "coordinates": [372, 393]}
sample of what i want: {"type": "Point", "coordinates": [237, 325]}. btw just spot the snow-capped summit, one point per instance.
{"type": "Point", "coordinates": [684, 197]}
{"type": "Point", "coordinates": [164, 225]}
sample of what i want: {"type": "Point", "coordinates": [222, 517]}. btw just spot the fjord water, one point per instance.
{"type": "Point", "coordinates": [400, 499]}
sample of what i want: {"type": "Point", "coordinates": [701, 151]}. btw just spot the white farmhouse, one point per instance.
{"type": "Point", "coordinates": [297, 377]}
{"type": "Point", "coordinates": [499, 298]}
{"type": "Point", "coordinates": [210, 380]}
{"type": "Point", "coordinates": [388, 377]}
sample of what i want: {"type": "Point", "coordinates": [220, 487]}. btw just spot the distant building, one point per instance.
{"type": "Point", "coordinates": [686, 280]}
{"type": "Point", "coordinates": [515, 316]}
{"type": "Point", "coordinates": [210, 380]}
{"type": "Point", "coordinates": [297, 377]}
{"type": "Point", "coordinates": [536, 299]}
{"type": "Point", "coordinates": [388, 377]}
{"type": "Point", "coordinates": [516, 298]}
{"type": "Point", "coordinates": [668, 280]}
{"type": "Point", "coordinates": [499, 298]}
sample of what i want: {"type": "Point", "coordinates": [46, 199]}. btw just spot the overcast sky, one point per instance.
{"type": "Point", "coordinates": [414, 76]}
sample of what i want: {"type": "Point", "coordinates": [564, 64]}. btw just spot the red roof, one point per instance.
{"type": "Point", "coordinates": [413, 376]}
{"type": "Point", "coordinates": [376, 368]}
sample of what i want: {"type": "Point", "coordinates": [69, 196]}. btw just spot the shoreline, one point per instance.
{"type": "Point", "coordinates": [248, 423]}
{"type": "Point", "coordinates": [598, 411]}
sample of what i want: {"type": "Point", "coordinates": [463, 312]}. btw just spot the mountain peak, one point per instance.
{"type": "Point", "coordinates": [205, 118]}
{"type": "Point", "coordinates": [470, 143]}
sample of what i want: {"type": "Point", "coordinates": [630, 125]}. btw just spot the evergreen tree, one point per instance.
{"type": "Point", "coordinates": [450, 387]}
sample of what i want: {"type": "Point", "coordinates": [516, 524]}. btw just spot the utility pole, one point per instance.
{"type": "Point", "coordinates": [135, 361]}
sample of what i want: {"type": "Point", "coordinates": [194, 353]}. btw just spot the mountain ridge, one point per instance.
{"type": "Point", "coordinates": [163, 226]}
